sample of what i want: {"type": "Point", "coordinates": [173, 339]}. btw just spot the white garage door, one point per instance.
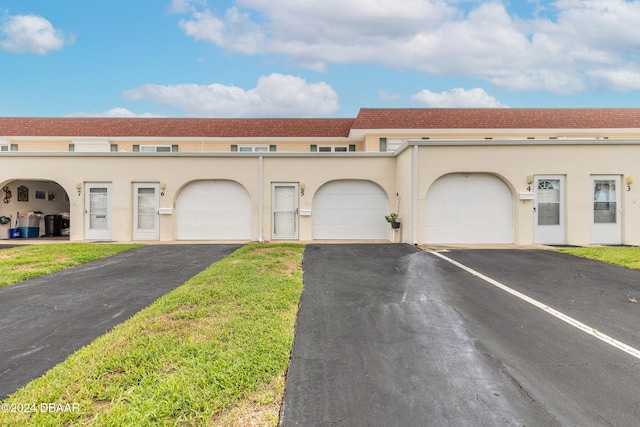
{"type": "Point", "coordinates": [350, 209]}
{"type": "Point", "coordinates": [469, 208]}
{"type": "Point", "coordinates": [213, 210]}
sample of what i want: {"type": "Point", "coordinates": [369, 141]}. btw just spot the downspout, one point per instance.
{"type": "Point", "coordinates": [260, 202]}
{"type": "Point", "coordinates": [414, 220]}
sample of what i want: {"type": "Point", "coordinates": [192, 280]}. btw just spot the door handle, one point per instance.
{"type": "Point", "coordinates": [296, 211]}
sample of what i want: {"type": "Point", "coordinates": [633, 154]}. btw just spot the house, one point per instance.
{"type": "Point", "coordinates": [455, 176]}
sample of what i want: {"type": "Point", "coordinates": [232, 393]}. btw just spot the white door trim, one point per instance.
{"type": "Point", "coordinates": [97, 210]}
{"type": "Point", "coordinates": [549, 232]}
{"type": "Point", "coordinates": [284, 210]}
{"type": "Point", "coordinates": [146, 219]}
{"type": "Point", "coordinates": [606, 209]}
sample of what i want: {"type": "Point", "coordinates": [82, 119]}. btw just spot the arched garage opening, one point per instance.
{"type": "Point", "coordinates": [469, 208]}
{"type": "Point", "coordinates": [213, 210]}
{"type": "Point", "coordinates": [37, 207]}
{"type": "Point", "coordinates": [350, 210]}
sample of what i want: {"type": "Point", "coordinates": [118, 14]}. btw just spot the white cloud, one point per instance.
{"type": "Point", "coordinates": [114, 112]}
{"type": "Point", "coordinates": [566, 47]}
{"type": "Point", "coordinates": [236, 32]}
{"type": "Point", "coordinates": [184, 6]}
{"type": "Point", "coordinates": [458, 98]}
{"type": "Point", "coordinates": [31, 34]}
{"type": "Point", "coordinates": [275, 95]}
{"type": "Point", "coordinates": [385, 95]}
{"type": "Point", "coordinates": [622, 80]}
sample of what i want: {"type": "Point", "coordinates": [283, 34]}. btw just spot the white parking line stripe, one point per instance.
{"type": "Point", "coordinates": [573, 322]}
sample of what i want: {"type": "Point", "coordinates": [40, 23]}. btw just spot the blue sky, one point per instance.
{"type": "Point", "coordinates": [313, 58]}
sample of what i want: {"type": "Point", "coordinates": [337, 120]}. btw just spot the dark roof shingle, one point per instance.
{"type": "Point", "coordinates": [163, 127]}
{"type": "Point", "coordinates": [368, 118]}
{"type": "Point", "coordinates": [498, 118]}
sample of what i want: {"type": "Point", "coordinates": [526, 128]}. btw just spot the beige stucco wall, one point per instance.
{"type": "Point", "coordinates": [514, 163]}
{"type": "Point", "coordinates": [372, 138]}
{"type": "Point", "coordinates": [205, 145]}
{"type": "Point", "coordinates": [122, 171]}
{"type": "Point", "coordinates": [315, 171]}
{"type": "Point", "coordinates": [404, 186]}
{"type": "Point", "coordinates": [177, 171]}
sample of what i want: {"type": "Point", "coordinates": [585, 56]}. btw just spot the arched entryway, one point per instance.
{"type": "Point", "coordinates": [31, 205]}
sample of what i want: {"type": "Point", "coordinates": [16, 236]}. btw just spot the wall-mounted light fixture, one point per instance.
{"type": "Point", "coordinates": [529, 181]}
{"type": "Point", "coordinates": [629, 181]}
{"type": "Point", "coordinates": [163, 186]}
{"type": "Point", "coordinates": [79, 188]}
{"type": "Point", "coordinates": [302, 187]}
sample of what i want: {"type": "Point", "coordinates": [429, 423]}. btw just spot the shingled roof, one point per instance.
{"type": "Point", "coordinates": [498, 118]}
{"type": "Point", "coordinates": [368, 118]}
{"type": "Point", "coordinates": [163, 127]}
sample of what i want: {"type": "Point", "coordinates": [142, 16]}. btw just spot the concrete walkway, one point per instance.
{"type": "Point", "coordinates": [44, 320]}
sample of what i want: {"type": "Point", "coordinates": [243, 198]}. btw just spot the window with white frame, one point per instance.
{"type": "Point", "coordinates": [253, 148]}
{"type": "Point", "coordinates": [7, 146]}
{"type": "Point", "coordinates": [332, 149]}
{"type": "Point", "coordinates": [155, 148]}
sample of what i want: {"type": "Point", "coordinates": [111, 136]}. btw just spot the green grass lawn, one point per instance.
{"type": "Point", "coordinates": [26, 262]}
{"type": "Point", "coordinates": [624, 256]}
{"type": "Point", "coordinates": [212, 352]}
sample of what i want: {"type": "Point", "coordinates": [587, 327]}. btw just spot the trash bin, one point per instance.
{"type": "Point", "coordinates": [52, 225]}
{"type": "Point", "coordinates": [65, 224]}
{"type": "Point", "coordinates": [29, 225]}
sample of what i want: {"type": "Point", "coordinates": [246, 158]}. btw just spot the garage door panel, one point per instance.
{"type": "Point", "coordinates": [352, 201]}
{"type": "Point", "coordinates": [350, 209]}
{"type": "Point", "coordinates": [338, 231]}
{"type": "Point", "coordinates": [350, 187]}
{"type": "Point", "coordinates": [350, 218]}
{"type": "Point", "coordinates": [213, 210]}
{"type": "Point", "coordinates": [469, 208]}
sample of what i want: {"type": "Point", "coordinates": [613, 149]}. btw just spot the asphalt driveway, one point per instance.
{"type": "Point", "coordinates": [388, 335]}
{"type": "Point", "coordinates": [43, 320]}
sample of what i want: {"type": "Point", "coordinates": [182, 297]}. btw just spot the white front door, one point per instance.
{"type": "Point", "coordinates": [145, 211]}
{"type": "Point", "coordinates": [606, 212]}
{"type": "Point", "coordinates": [284, 224]}
{"type": "Point", "coordinates": [98, 211]}
{"type": "Point", "coordinates": [548, 210]}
